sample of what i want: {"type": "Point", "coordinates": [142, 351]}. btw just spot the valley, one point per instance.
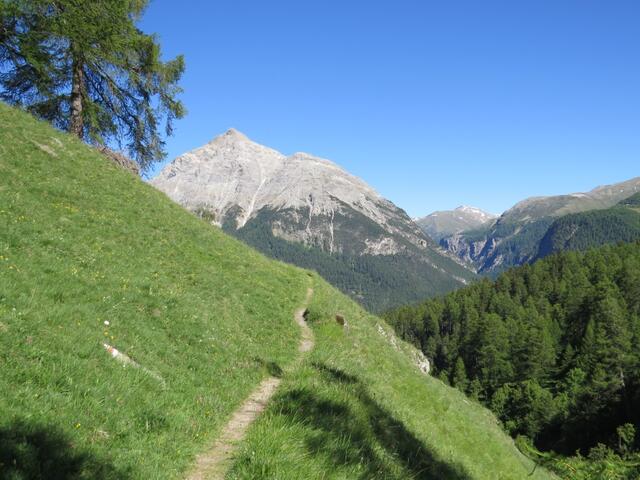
{"type": "Point", "coordinates": [518, 235]}
{"type": "Point", "coordinates": [91, 254]}
{"type": "Point", "coordinates": [181, 301]}
{"type": "Point", "coordinates": [173, 293]}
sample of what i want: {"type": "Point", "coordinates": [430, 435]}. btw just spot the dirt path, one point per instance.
{"type": "Point", "coordinates": [213, 464]}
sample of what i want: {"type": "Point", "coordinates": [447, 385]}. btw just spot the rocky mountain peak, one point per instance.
{"type": "Point", "coordinates": [231, 139]}
{"type": "Point", "coordinates": [235, 135]}
{"type": "Point", "coordinates": [276, 202]}
{"type": "Point", "coordinates": [448, 222]}
{"type": "Point", "coordinates": [235, 176]}
{"type": "Point", "coordinates": [476, 212]}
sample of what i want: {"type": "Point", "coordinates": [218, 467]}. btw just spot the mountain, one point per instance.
{"type": "Point", "coordinates": [581, 231]}
{"type": "Point", "coordinates": [91, 255]}
{"type": "Point", "coordinates": [633, 201]}
{"type": "Point", "coordinates": [444, 223]}
{"type": "Point", "coordinates": [514, 238]}
{"type": "Point", "coordinates": [310, 212]}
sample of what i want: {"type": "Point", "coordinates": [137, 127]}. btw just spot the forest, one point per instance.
{"type": "Point", "coordinates": [552, 348]}
{"type": "Point", "coordinates": [581, 231]}
{"type": "Point", "coordinates": [377, 282]}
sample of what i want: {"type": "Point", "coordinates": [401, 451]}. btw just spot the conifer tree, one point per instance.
{"type": "Point", "coordinates": [86, 68]}
{"type": "Point", "coordinates": [459, 379]}
{"type": "Point", "coordinates": [553, 348]}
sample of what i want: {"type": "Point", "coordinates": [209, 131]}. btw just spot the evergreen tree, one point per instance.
{"type": "Point", "coordinates": [553, 348]}
{"type": "Point", "coordinates": [459, 379]}
{"type": "Point", "coordinates": [87, 68]}
{"type": "Point", "coordinates": [493, 356]}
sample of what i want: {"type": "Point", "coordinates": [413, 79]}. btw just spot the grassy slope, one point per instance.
{"type": "Point", "coordinates": [358, 408]}
{"type": "Point", "coordinates": [82, 242]}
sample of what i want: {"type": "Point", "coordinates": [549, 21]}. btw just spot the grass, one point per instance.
{"type": "Point", "coordinates": [358, 408]}
{"type": "Point", "coordinates": [83, 243]}
{"type": "Point", "coordinates": [91, 255]}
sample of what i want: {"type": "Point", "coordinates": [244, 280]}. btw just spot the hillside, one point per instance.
{"type": "Point", "coordinates": [581, 231]}
{"type": "Point", "coordinates": [310, 212]}
{"type": "Point", "coordinates": [552, 348]}
{"type": "Point", "coordinates": [632, 201]}
{"type": "Point", "coordinates": [90, 255]}
{"type": "Point", "coordinates": [359, 408]}
{"type": "Point", "coordinates": [445, 223]}
{"type": "Point", "coordinates": [515, 237]}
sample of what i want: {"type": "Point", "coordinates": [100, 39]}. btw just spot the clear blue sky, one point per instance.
{"type": "Point", "coordinates": [434, 103]}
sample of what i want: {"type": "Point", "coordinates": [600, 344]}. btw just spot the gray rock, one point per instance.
{"type": "Point", "coordinates": [234, 179]}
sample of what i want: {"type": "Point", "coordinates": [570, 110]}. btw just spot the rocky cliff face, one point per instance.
{"type": "Point", "coordinates": [465, 249]}
{"type": "Point", "coordinates": [257, 194]}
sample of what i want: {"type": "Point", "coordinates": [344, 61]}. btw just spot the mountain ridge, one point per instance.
{"type": "Point", "coordinates": [265, 197]}
{"type": "Point", "coordinates": [593, 228]}
{"type": "Point", "coordinates": [514, 237]}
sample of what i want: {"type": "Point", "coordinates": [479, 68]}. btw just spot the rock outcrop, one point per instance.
{"type": "Point", "coordinates": [120, 160]}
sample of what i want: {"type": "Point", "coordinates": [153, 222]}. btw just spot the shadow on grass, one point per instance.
{"type": "Point", "coordinates": [367, 435]}
{"type": "Point", "coordinates": [272, 367]}
{"type": "Point", "coordinates": [333, 374]}
{"type": "Point", "coordinates": [34, 452]}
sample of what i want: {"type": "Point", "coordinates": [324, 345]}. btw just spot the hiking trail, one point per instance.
{"type": "Point", "coordinates": [213, 464]}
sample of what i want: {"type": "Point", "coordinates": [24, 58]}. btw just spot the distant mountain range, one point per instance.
{"type": "Point", "coordinates": [445, 223]}
{"type": "Point", "coordinates": [538, 226]}
{"type": "Point", "coordinates": [310, 212]}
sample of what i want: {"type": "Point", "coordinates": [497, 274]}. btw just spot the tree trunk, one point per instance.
{"type": "Point", "coordinates": [76, 124]}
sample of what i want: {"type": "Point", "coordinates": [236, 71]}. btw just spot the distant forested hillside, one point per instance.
{"type": "Point", "coordinates": [581, 231]}
{"type": "Point", "coordinates": [552, 348]}
{"type": "Point", "coordinates": [632, 201]}
{"type": "Point", "coordinates": [378, 282]}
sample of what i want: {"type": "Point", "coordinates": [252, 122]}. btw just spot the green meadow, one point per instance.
{"type": "Point", "coordinates": [91, 255]}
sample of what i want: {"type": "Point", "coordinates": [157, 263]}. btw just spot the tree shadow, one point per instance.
{"type": "Point", "coordinates": [338, 436]}
{"type": "Point", "coordinates": [363, 434]}
{"type": "Point", "coordinates": [37, 452]}
{"type": "Point", "coordinates": [400, 442]}
{"type": "Point", "coordinates": [333, 374]}
{"type": "Point", "coordinates": [272, 367]}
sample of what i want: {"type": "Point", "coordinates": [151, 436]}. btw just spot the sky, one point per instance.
{"type": "Point", "coordinates": [433, 103]}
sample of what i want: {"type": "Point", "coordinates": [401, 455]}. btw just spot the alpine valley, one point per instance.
{"type": "Point", "coordinates": [240, 313]}
{"type": "Point", "coordinates": [310, 212]}
{"type": "Point", "coordinates": [538, 226]}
